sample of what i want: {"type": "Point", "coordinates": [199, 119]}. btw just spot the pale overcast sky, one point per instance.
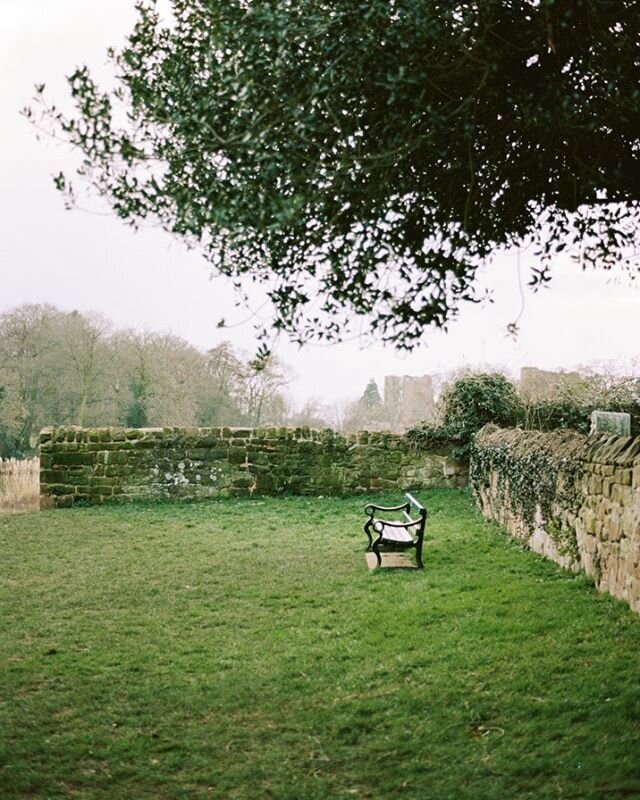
{"type": "Point", "coordinates": [77, 260]}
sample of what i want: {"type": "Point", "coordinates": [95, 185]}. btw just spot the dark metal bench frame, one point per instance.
{"type": "Point", "coordinates": [396, 534]}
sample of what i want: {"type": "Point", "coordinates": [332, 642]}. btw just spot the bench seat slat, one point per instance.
{"type": "Point", "coordinates": [399, 535]}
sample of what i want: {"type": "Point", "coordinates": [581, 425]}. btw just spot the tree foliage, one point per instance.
{"type": "Point", "coordinates": [371, 398]}
{"type": "Point", "coordinates": [474, 400]}
{"type": "Point", "coordinates": [468, 404]}
{"type": "Point", "coordinates": [364, 158]}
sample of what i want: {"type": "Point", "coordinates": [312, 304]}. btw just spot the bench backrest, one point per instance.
{"type": "Point", "coordinates": [412, 504]}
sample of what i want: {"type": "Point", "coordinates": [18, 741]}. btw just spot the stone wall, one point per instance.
{"type": "Point", "coordinates": [593, 520]}
{"type": "Point", "coordinates": [608, 521]}
{"type": "Point", "coordinates": [122, 465]}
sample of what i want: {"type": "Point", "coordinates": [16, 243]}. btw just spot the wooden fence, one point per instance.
{"type": "Point", "coordinates": [19, 484]}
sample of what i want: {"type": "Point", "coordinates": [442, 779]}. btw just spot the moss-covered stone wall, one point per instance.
{"type": "Point", "coordinates": [121, 465]}
{"type": "Point", "coordinates": [570, 498]}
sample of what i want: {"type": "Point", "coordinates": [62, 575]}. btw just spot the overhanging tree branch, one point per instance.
{"type": "Point", "coordinates": [362, 160]}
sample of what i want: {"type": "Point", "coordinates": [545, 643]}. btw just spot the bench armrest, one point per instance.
{"type": "Point", "coordinates": [371, 508]}
{"type": "Point", "coordinates": [380, 524]}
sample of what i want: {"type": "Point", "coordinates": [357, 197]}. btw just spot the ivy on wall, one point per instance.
{"type": "Point", "coordinates": [536, 473]}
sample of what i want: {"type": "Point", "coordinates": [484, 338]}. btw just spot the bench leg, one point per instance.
{"type": "Point", "coordinates": [367, 525]}
{"type": "Point", "coordinates": [377, 552]}
{"type": "Point", "coordinates": [419, 556]}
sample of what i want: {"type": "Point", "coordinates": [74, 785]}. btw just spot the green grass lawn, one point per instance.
{"type": "Point", "coordinates": [241, 649]}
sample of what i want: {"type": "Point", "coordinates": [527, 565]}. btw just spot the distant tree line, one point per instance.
{"type": "Point", "coordinates": [66, 368]}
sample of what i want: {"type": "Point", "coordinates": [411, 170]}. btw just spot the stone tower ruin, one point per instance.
{"type": "Point", "coordinates": [408, 400]}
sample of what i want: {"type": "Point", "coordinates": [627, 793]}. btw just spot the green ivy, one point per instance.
{"type": "Point", "coordinates": [468, 404]}
{"type": "Point", "coordinates": [534, 471]}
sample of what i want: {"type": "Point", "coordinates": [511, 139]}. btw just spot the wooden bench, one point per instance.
{"type": "Point", "coordinates": [396, 534]}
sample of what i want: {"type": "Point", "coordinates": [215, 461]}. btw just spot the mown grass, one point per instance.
{"type": "Point", "coordinates": [241, 649]}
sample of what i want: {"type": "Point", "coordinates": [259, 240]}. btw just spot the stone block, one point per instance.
{"type": "Point", "coordinates": [309, 447]}
{"type": "Point", "coordinates": [622, 495]}
{"type": "Point", "coordinates": [383, 483]}
{"type": "Point", "coordinates": [217, 453]}
{"type": "Point", "coordinates": [618, 449]}
{"type": "Point", "coordinates": [46, 502]}
{"type": "Point", "coordinates": [65, 501]}
{"type": "Point", "coordinates": [265, 483]}
{"type": "Point", "coordinates": [197, 454]}
{"type": "Point", "coordinates": [144, 443]}
{"type": "Point", "coordinates": [241, 433]}
{"type": "Point", "coordinates": [206, 441]}
{"type": "Point", "coordinates": [257, 469]}
{"type": "Point", "coordinates": [631, 522]}
{"type": "Point", "coordinates": [243, 482]}
{"type": "Point", "coordinates": [261, 459]}
{"type": "Point", "coordinates": [593, 484]}
{"type": "Point", "coordinates": [57, 489]}
{"type": "Point", "coordinates": [588, 520]}
{"type": "Point", "coordinates": [237, 455]}
{"type": "Point", "coordinates": [237, 492]}
{"type": "Point", "coordinates": [627, 456]}
{"type": "Point", "coordinates": [101, 485]}
{"type": "Point", "coordinates": [74, 458]}
{"type": "Point", "coordinates": [612, 528]}
{"type": "Point", "coordinates": [623, 475]}
{"type": "Point", "coordinates": [50, 476]}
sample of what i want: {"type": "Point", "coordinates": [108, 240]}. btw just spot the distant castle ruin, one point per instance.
{"type": "Point", "coordinates": [408, 400]}
{"type": "Point", "coordinates": [539, 384]}
{"type": "Point", "coordinates": [405, 401]}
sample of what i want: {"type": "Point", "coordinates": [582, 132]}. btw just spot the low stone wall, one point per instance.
{"type": "Point", "coordinates": [608, 521]}
{"type": "Point", "coordinates": [121, 465]}
{"type": "Point", "coordinates": [572, 499]}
